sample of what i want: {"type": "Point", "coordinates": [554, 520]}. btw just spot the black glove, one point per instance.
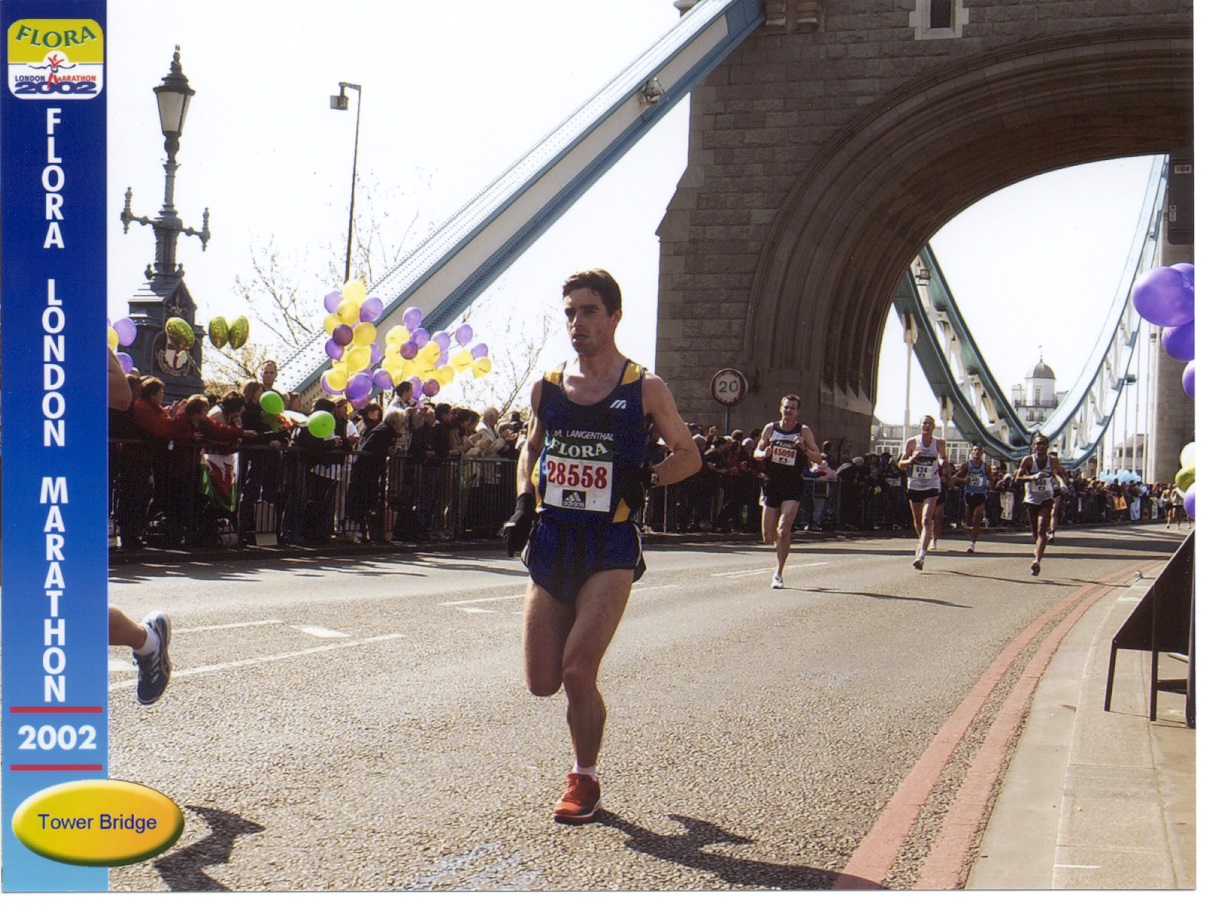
{"type": "Point", "coordinates": [515, 531]}
{"type": "Point", "coordinates": [635, 484]}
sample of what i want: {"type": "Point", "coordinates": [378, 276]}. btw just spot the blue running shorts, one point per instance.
{"type": "Point", "coordinates": [561, 555]}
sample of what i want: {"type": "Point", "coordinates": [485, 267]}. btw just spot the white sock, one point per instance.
{"type": "Point", "coordinates": [151, 645]}
{"type": "Point", "coordinates": [589, 772]}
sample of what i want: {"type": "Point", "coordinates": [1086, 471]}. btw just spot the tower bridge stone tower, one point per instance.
{"type": "Point", "coordinates": [829, 147]}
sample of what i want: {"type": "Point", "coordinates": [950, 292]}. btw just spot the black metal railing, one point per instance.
{"type": "Point", "coordinates": [186, 498]}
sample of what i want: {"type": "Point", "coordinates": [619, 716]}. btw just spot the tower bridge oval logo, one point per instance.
{"type": "Point", "coordinates": [56, 59]}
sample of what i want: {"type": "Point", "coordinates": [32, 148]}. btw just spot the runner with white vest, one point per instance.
{"type": "Point", "coordinates": [1038, 473]}
{"type": "Point", "coordinates": [923, 456]}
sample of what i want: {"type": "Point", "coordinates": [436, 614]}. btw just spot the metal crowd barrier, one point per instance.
{"type": "Point", "coordinates": [285, 497]}
{"type": "Point", "coordinates": [288, 497]}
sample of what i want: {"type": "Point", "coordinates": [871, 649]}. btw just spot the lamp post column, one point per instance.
{"type": "Point", "coordinates": [340, 102]}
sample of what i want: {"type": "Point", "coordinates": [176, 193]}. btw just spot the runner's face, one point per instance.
{"type": "Point", "coordinates": [789, 410]}
{"type": "Point", "coordinates": [927, 426]}
{"type": "Point", "coordinates": [977, 454]}
{"type": "Point", "coordinates": [591, 328]}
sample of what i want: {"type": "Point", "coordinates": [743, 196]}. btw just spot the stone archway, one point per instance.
{"type": "Point", "coordinates": [823, 287]}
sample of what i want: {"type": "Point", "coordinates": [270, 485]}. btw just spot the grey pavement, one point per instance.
{"type": "Point", "coordinates": [1095, 799]}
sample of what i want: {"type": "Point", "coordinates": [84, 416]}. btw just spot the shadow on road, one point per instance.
{"type": "Point", "coordinates": [185, 868]}
{"type": "Point", "coordinates": [689, 849]}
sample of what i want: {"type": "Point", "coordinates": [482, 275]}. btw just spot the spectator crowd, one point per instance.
{"type": "Point", "coordinates": [221, 471]}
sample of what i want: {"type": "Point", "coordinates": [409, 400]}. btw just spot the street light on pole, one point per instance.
{"type": "Point", "coordinates": [340, 102]}
{"type": "Point", "coordinates": [173, 95]}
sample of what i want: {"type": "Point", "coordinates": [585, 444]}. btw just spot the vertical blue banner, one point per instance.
{"type": "Point", "coordinates": [53, 609]}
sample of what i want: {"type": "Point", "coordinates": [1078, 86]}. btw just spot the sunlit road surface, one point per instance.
{"type": "Point", "coordinates": [362, 724]}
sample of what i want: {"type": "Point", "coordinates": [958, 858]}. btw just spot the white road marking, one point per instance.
{"type": "Point", "coordinates": [321, 632]}
{"type": "Point", "coordinates": [269, 658]}
{"type": "Point", "coordinates": [763, 569]}
{"type": "Point", "coordinates": [493, 600]}
{"type": "Point", "coordinates": [474, 610]}
{"type": "Point", "coordinates": [222, 626]}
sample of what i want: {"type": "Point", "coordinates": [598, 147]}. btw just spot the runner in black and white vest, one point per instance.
{"type": "Point", "coordinates": [787, 447]}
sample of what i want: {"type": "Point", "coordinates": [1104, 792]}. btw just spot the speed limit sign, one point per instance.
{"type": "Point", "coordinates": [729, 386]}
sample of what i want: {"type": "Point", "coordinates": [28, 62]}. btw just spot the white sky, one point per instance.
{"type": "Point", "coordinates": [453, 93]}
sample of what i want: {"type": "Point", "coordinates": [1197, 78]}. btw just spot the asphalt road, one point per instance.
{"type": "Point", "coordinates": [362, 724]}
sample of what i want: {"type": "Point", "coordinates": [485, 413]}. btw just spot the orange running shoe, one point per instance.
{"type": "Point", "coordinates": [580, 802]}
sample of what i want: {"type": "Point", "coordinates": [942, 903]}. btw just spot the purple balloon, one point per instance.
{"type": "Point", "coordinates": [126, 331]}
{"type": "Point", "coordinates": [442, 359]}
{"type": "Point", "coordinates": [1178, 342]}
{"type": "Point", "coordinates": [1191, 501]}
{"type": "Point", "coordinates": [441, 339]}
{"type": "Point", "coordinates": [342, 334]}
{"type": "Point", "coordinates": [359, 385]}
{"type": "Point", "coordinates": [481, 350]}
{"type": "Point", "coordinates": [359, 403]}
{"type": "Point", "coordinates": [1187, 380]}
{"type": "Point", "coordinates": [376, 353]}
{"type": "Point", "coordinates": [334, 350]}
{"type": "Point", "coordinates": [417, 383]}
{"type": "Point", "coordinates": [412, 318]}
{"type": "Point", "coordinates": [127, 363]}
{"type": "Point", "coordinates": [382, 380]}
{"type": "Point", "coordinates": [370, 309]}
{"type": "Point", "coordinates": [464, 334]}
{"type": "Point", "coordinates": [409, 349]}
{"type": "Point", "coordinates": [420, 336]}
{"type": "Point", "coordinates": [431, 387]}
{"type": "Point", "coordinates": [1164, 296]}
{"type": "Point", "coordinates": [1186, 270]}
{"type": "Point", "coordinates": [331, 300]}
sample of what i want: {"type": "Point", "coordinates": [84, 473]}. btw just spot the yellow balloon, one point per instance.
{"type": "Point", "coordinates": [431, 351]}
{"type": "Point", "coordinates": [330, 322]}
{"type": "Point", "coordinates": [349, 312]}
{"type": "Point", "coordinates": [445, 375]}
{"type": "Point", "coordinates": [364, 333]}
{"type": "Point", "coordinates": [392, 362]}
{"type": "Point", "coordinates": [112, 339]}
{"type": "Point", "coordinates": [396, 336]}
{"type": "Point", "coordinates": [462, 359]}
{"type": "Point", "coordinates": [409, 369]}
{"type": "Point", "coordinates": [337, 378]}
{"type": "Point", "coordinates": [482, 366]}
{"type": "Point", "coordinates": [395, 375]}
{"type": "Point", "coordinates": [354, 291]}
{"type": "Point", "coordinates": [357, 358]}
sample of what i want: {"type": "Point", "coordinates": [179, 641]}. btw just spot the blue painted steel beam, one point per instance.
{"type": "Point", "coordinates": [466, 254]}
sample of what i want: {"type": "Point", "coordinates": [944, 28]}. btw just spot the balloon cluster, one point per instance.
{"type": "Point", "coordinates": [122, 333]}
{"type": "Point", "coordinates": [360, 364]}
{"type": "Point", "coordinates": [1165, 297]}
{"type": "Point", "coordinates": [234, 332]}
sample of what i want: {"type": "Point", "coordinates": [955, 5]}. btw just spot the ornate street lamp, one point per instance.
{"type": "Point", "coordinates": [165, 295]}
{"type": "Point", "coordinates": [340, 102]}
{"type": "Point", "coordinates": [173, 95]}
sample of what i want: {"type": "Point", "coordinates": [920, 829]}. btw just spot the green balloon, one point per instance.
{"type": "Point", "coordinates": [321, 424]}
{"type": "Point", "coordinates": [271, 402]}
{"type": "Point", "coordinates": [1185, 478]}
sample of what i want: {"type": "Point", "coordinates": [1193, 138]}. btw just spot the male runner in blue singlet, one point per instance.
{"type": "Point", "coordinates": [582, 477]}
{"type": "Point", "coordinates": [973, 475]}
